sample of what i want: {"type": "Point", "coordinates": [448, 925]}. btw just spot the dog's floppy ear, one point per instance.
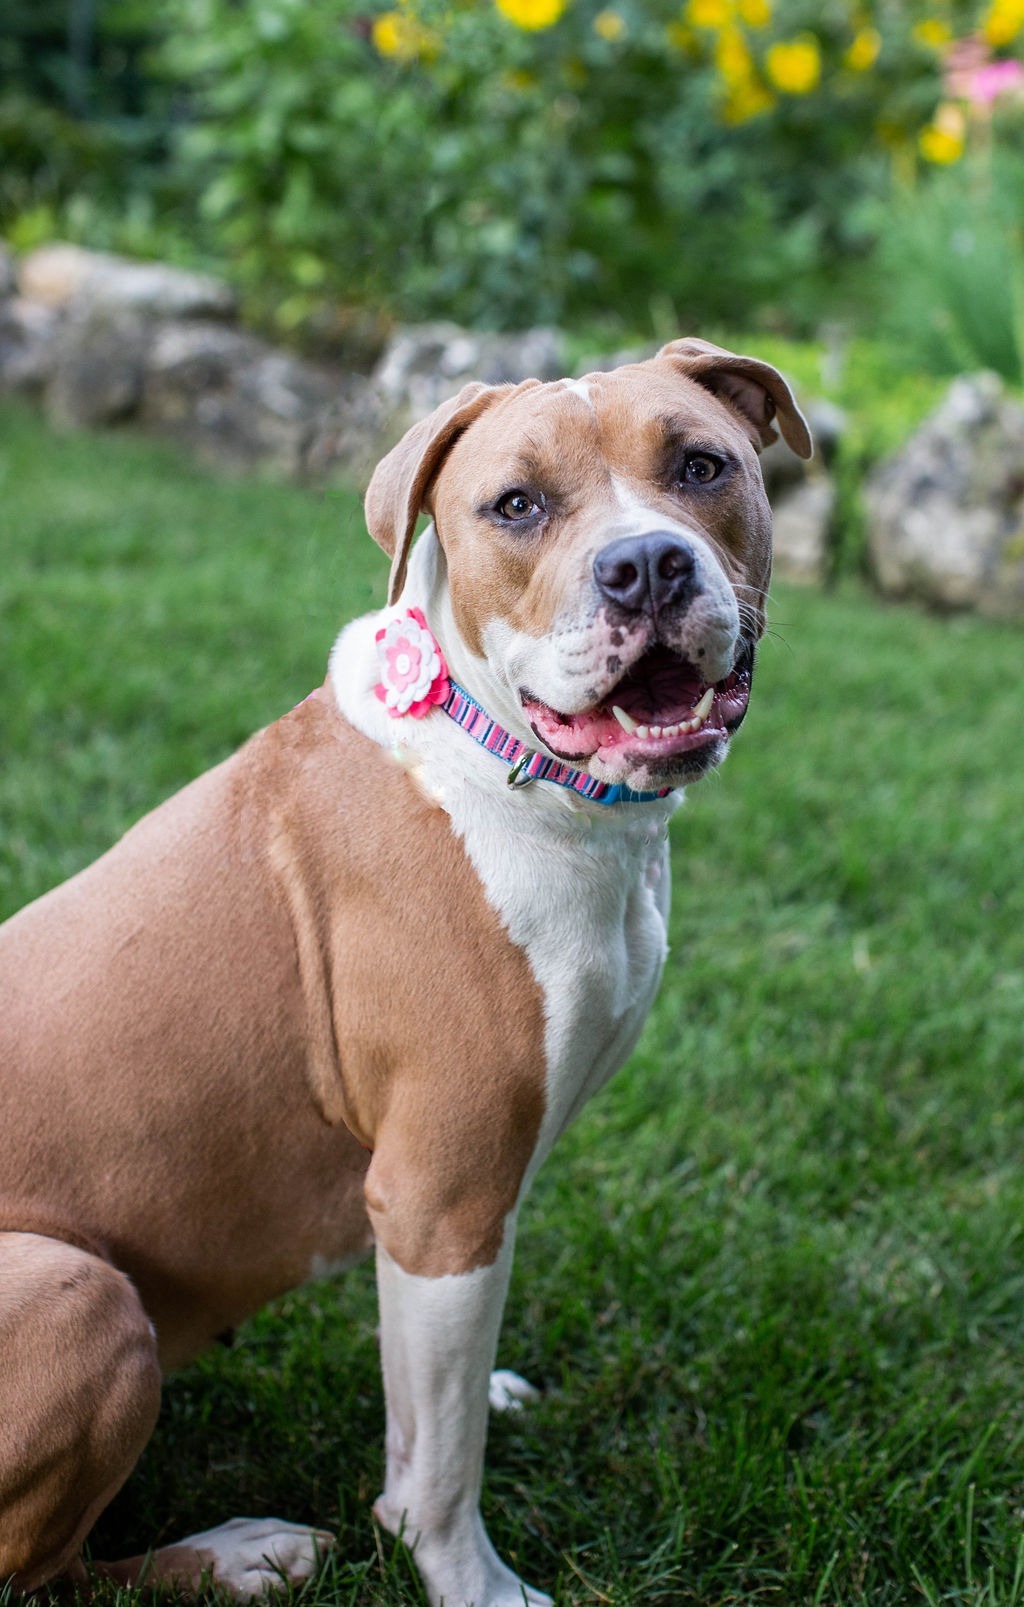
{"type": "Point", "coordinates": [395, 495]}
{"type": "Point", "coordinates": [755, 389]}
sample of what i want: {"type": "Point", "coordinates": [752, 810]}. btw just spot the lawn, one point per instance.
{"type": "Point", "coordinates": [773, 1281]}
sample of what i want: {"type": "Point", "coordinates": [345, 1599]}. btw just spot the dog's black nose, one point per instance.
{"type": "Point", "coordinates": [645, 574]}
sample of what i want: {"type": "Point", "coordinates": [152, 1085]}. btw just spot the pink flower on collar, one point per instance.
{"type": "Point", "coordinates": [414, 675]}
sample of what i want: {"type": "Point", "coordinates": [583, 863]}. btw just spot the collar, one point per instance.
{"type": "Point", "coordinates": [415, 681]}
{"type": "Point", "coordinates": [526, 764]}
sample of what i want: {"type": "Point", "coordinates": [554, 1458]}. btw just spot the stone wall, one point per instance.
{"type": "Point", "coordinates": [100, 341]}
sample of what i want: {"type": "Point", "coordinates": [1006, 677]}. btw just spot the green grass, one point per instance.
{"type": "Point", "coordinates": [773, 1280]}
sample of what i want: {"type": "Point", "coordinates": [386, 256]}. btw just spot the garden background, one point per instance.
{"type": "Point", "coordinates": [624, 170]}
{"type": "Point", "coordinates": [773, 1281]}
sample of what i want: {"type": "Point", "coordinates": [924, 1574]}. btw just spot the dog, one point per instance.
{"type": "Point", "coordinates": [321, 1001]}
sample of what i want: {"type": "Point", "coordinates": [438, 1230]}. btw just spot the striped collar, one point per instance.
{"type": "Point", "coordinates": [526, 764]}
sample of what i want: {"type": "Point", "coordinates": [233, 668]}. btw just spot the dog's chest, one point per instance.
{"type": "Point", "coordinates": [588, 902]}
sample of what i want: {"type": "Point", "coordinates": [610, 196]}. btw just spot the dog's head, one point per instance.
{"type": "Point", "coordinates": [607, 548]}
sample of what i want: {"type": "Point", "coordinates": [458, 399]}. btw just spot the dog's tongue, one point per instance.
{"type": "Point", "coordinates": [574, 736]}
{"type": "Point", "coordinates": [662, 691]}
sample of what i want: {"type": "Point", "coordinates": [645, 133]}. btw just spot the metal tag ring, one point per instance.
{"type": "Point", "coordinates": [513, 779]}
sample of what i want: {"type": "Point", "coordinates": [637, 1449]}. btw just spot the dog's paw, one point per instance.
{"type": "Point", "coordinates": [251, 1556]}
{"type": "Point", "coordinates": [507, 1392]}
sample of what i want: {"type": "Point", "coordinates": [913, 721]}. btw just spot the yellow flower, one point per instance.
{"type": "Point", "coordinates": [397, 34]}
{"type": "Point", "coordinates": [746, 101]}
{"type": "Point", "coordinates": [1003, 22]}
{"type": "Point", "coordinates": [708, 13]}
{"type": "Point", "coordinates": [795, 65]}
{"type": "Point", "coordinates": [732, 58]}
{"type": "Point", "coordinates": [387, 33]}
{"type": "Point", "coordinates": [938, 145]}
{"type": "Point", "coordinates": [755, 13]}
{"type": "Point", "coordinates": [532, 14]}
{"type": "Point", "coordinates": [864, 50]}
{"type": "Point", "coordinates": [933, 33]}
{"type": "Point", "coordinates": [943, 139]}
{"type": "Point", "coordinates": [609, 25]}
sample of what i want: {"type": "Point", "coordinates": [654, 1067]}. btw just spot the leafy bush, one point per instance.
{"type": "Point", "coordinates": [639, 163]}
{"type": "Point", "coordinates": [952, 260]}
{"type": "Point", "coordinates": [532, 159]}
{"type": "Point", "coordinates": [449, 159]}
{"type": "Point", "coordinates": [82, 122]}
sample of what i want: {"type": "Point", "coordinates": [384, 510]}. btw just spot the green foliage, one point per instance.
{"type": "Point", "coordinates": [82, 122]}
{"type": "Point", "coordinates": [514, 176]}
{"type": "Point", "coordinates": [300, 157]}
{"type": "Point", "coordinates": [952, 261]}
{"type": "Point", "coordinates": [625, 167]}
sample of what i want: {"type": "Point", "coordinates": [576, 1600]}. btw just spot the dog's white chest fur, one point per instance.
{"type": "Point", "coordinates": [587, 900]}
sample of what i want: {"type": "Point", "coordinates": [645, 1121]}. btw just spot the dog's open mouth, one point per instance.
{"type": "Point", "coordinates": [662, 707]}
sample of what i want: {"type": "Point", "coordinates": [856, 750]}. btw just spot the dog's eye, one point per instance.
{"type": "Point", "coordinates": [699, 468]}
{"type": "Point", "coordinates": [517, 505]}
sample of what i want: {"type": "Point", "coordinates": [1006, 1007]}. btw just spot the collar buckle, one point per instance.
{"type": "Point", "coordinates": [515, 778]}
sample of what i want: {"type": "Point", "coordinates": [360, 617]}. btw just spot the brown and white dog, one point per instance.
{"type": "Point", "coordinates": [321, 1001]}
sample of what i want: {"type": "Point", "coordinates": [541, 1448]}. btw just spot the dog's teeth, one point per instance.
{"type": "Point", "coordinates": [643, 731]}
{"type": "Point", "coordinates": [625, 720]}
{"type": "Point", "coordinates": [703, 708]}
{"type": "Point", "coordinates": [670, 730]}
{"type": "Point", "coordinates": [654, 730]}
{"type": "Point", "coordinates": [688, 727]}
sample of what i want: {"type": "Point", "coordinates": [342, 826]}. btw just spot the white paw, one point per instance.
{"type": "Point", "coordinates": [251, 1556]}
{"type": "Point", "coordinates": [507, 1392]}
{"type": "Point", "coordinates": [462, 1568]}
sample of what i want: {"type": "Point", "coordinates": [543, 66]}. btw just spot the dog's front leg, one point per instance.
{"type": "Point", "coordinates": [438, 1340]}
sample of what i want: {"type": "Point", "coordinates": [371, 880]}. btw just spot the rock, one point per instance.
{"type": "Point", "coordinates": [802, 527]}
{"type": "Point", "coordinates": [97, 375]}
{"type": "Point", "coordinates": [8, 275]}
{"type": "Point", "coordinates": [52, 274]}
{"type": "Point", "coordinates": [186, 362]}
{"type": "Point", "coordinates": [780, 465]}
{"type": "Point", "coordinates": [286, 388]}
{"type": "Point", "coordinates": [28, 345]}
{"type": "Point", "coordinates": [233, 398]}
{"type": "Point", "coordinates": [352, 434]}
{"type": "Point", "coordinates": [946, 513]}
{"type": "Point", "coordinates": [802, 495]}
{"type": "Point", "coordinates": [59, 275]}
{"type": "Point", "coordinates": [426, 363]}
{"type": "Point", "coordinates": [348, 337]}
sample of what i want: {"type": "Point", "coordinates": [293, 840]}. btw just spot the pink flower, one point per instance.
{"type": "Point", "coordinates": [998, 78]}
{"type": "Point", "coordinates": [414, 675]}
{"type": "Point", "coordinates": [972, 75]}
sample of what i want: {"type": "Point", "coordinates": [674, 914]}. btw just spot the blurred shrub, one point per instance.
{"type": "Point", "coordinates": [84, 125]}
{"type": "Point", "coordinates": [643, 163]}
{"type": "Point", "coordinates": [952, 260]}
{"type": "Point", "coordinates": [536, 160]}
